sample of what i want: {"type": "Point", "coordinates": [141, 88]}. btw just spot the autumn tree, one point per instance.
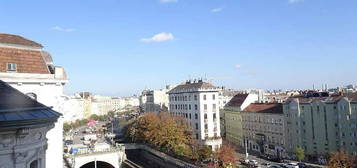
{"type": "Point", "coordinates": [341, 159]}
{"type": "Point", "coordinates": [162, 130]}
{"type": "Point", "coordinates": [204, 152]}
{"type": "Point", "coordinates": [226, 155]}
{"type": "Point", "coordinates": [67, 127]}
{"type": "Point", "coordinates": [300, 153]}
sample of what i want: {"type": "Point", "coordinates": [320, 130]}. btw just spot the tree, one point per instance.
{"type": "Point", "coordinates": [341, 159]}
{"type": "Point", "coordinates": [163, 130]}
{"type": "Point", "coordinates": [94, 117]}
{"type": "Point", "coordinates": [226, 155]}
{"type": "Point", "coordinates": [300, 153]}
{"type": "Point", "coordinates": [67, 127]}
{"type": "Point", "coordinates": [204, 152]}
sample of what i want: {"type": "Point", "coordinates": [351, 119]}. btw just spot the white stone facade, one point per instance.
{"type": "Point", "coordinates": [49, 91]}
{"type": "Point", "coordinates": [155, 100]}
{"type": "Point", "coordinates": [200, 106]}
{"type": "Point", "coordinates": [23, 148]}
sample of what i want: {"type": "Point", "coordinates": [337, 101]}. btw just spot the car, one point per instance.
{"type": "Point", "coordinates": [292, 165]}
{"type": "Point", "coordinates": [68, 142]}
{"type": "Point", "coordinates": [275, 166]}
{"type": "Point", "coordinates": [265, 164]}
{"type": "Point", "coordinates": [253, 162]}
{"type": "Point", "coordinates": [283, 165]}
{"type": "Point", "coordinates": [301, 165]}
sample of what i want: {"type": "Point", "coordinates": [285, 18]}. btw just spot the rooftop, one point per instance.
{"type": "Point", "coordinates": [193, 86]}
{"type": "Point", "coordinates": [16, 39]}
{"type": "Point", "coordinates": [18, 109]}
{"type": "Point", "coordinates": [273, 108]}
{"type": "Point", "coordinates": [23, 60]}
{"type": "Point", "coordinates": [237, 100]}
{"type": "Point", "coordinates": [352, 97]}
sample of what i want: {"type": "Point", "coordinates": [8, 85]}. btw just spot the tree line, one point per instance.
{"type": "Point", "coordinates": [173, 134]}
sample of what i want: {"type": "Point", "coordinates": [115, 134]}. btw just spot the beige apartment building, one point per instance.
{"type": "Point", "coordinates": [259, 127]}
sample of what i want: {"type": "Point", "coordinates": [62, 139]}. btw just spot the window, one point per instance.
{"type": "Point", "coordinates": [189, 106]}
{"type": "Point", "coordinates": [206, 126]}
{"type": "Point", "coordinates": [196, 126]}
{"type": "Point", "coordinates": [34, 164]}
{"type": "Point", "coordinates": [213, 97]}
{"type": "Point", "coordinates": [204, 97]}
{"type": "Point", "coordinates": [214, 107]}
{"type": "Point", "coordinates": [196, 116]}
{"type": "Point", "coordinates": [196, 107]}
{"type": "Point", "coordinates": [11, 67]}
{"type": "Point", "coordinates": [214, 116]}
{"type": "Point", "coordinates": [196, 136]}
{"type": "Point", "coordinates": [195, 97]}
{"type": "Point", "coordinates": [205, 107]}
{"type": "Point", "coordinates": [205, 116]}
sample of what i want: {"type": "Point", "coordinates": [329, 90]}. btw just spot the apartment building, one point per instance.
{"type": "Point", "coordinates": [24, 124]}
{"type": "Point", "coordinates": [263, 128]}
{"type": "Point", "coordinates": [321, 123]}
{"type": "Point", "coordinates": [239, 102]}
{"type": "Point", "coordinates": [80, 107]}
{"type": "Point", "coordinates": [259, 127]}
{"type": "Point", "coordinates": [198, 102]}
{"type": "Point", "coordinates": [155, 100]}
{"type": "Point", "coordinates": [25, 66]}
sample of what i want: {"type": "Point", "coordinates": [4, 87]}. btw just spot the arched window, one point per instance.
{"type": "Point", "coordinates": [32, 95]}
{"type": "Point", "coordinates": [34, 164]}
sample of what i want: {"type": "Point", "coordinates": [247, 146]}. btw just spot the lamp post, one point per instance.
{"type": "Point", "coordinates": [246, 149]}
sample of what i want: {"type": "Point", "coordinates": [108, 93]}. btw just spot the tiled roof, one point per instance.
{"type": "Point", "coordinates": [330, 99]}
{"type": "Point", "coordinates": [237, 100]}
{"type": "Point", "coordinates": [27, 61]}
{"type": "Point", "coordinates": [15, 39]}
{"type": "Point", "coordinates": [17, 109]}
{"type": "Point", "coordinates": [193, 86]}
{"type": "Point", "coordinates": [275, 108]}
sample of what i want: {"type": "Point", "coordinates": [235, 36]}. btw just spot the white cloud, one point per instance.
{"type": "Point", "coordinates": [168, 1]}
{"type": "Point", "coordinates": [160, 37]}
{"type": "Point", "coordinates": [238, 66]}
{"type": "Point", "coordinates": [295, 1]}
{"type": "Point", "coordinates": [215, 10]}
{"type": "Point", "coordinates": [58, 28]}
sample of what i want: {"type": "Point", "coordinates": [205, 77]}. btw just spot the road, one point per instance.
{"type": "Point", "coordinates": [261, 160]}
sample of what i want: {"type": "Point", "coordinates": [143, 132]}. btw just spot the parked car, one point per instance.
{"type": "Point", "coordinates": [301, 165]}
{"type": "Point", "coordinates": [275, 166]}
{"type": "Point", "coordinates": [265, 164]}
{"type": "Point", "coordinates": [253, 162]}
{"type": "Point", "coordinates": [292, 165]}
{"type": "Point", "coordinates": [68, 142]}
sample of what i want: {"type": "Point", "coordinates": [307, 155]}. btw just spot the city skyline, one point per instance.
{"type": "Point", "coordinates": [121, 47]}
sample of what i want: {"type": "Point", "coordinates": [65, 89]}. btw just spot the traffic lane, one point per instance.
{"type": "Point", "coordinates": [260, 161]}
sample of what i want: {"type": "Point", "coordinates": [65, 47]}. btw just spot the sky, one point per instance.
{"type": "Point", "coordinates": [120, 47]}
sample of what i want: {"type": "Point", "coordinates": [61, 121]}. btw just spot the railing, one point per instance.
{"type": "Point", "coordinates": [87, 152]}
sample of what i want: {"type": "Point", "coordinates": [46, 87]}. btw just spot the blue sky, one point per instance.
{"type": "Point", "coordinates": [109, 46]}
